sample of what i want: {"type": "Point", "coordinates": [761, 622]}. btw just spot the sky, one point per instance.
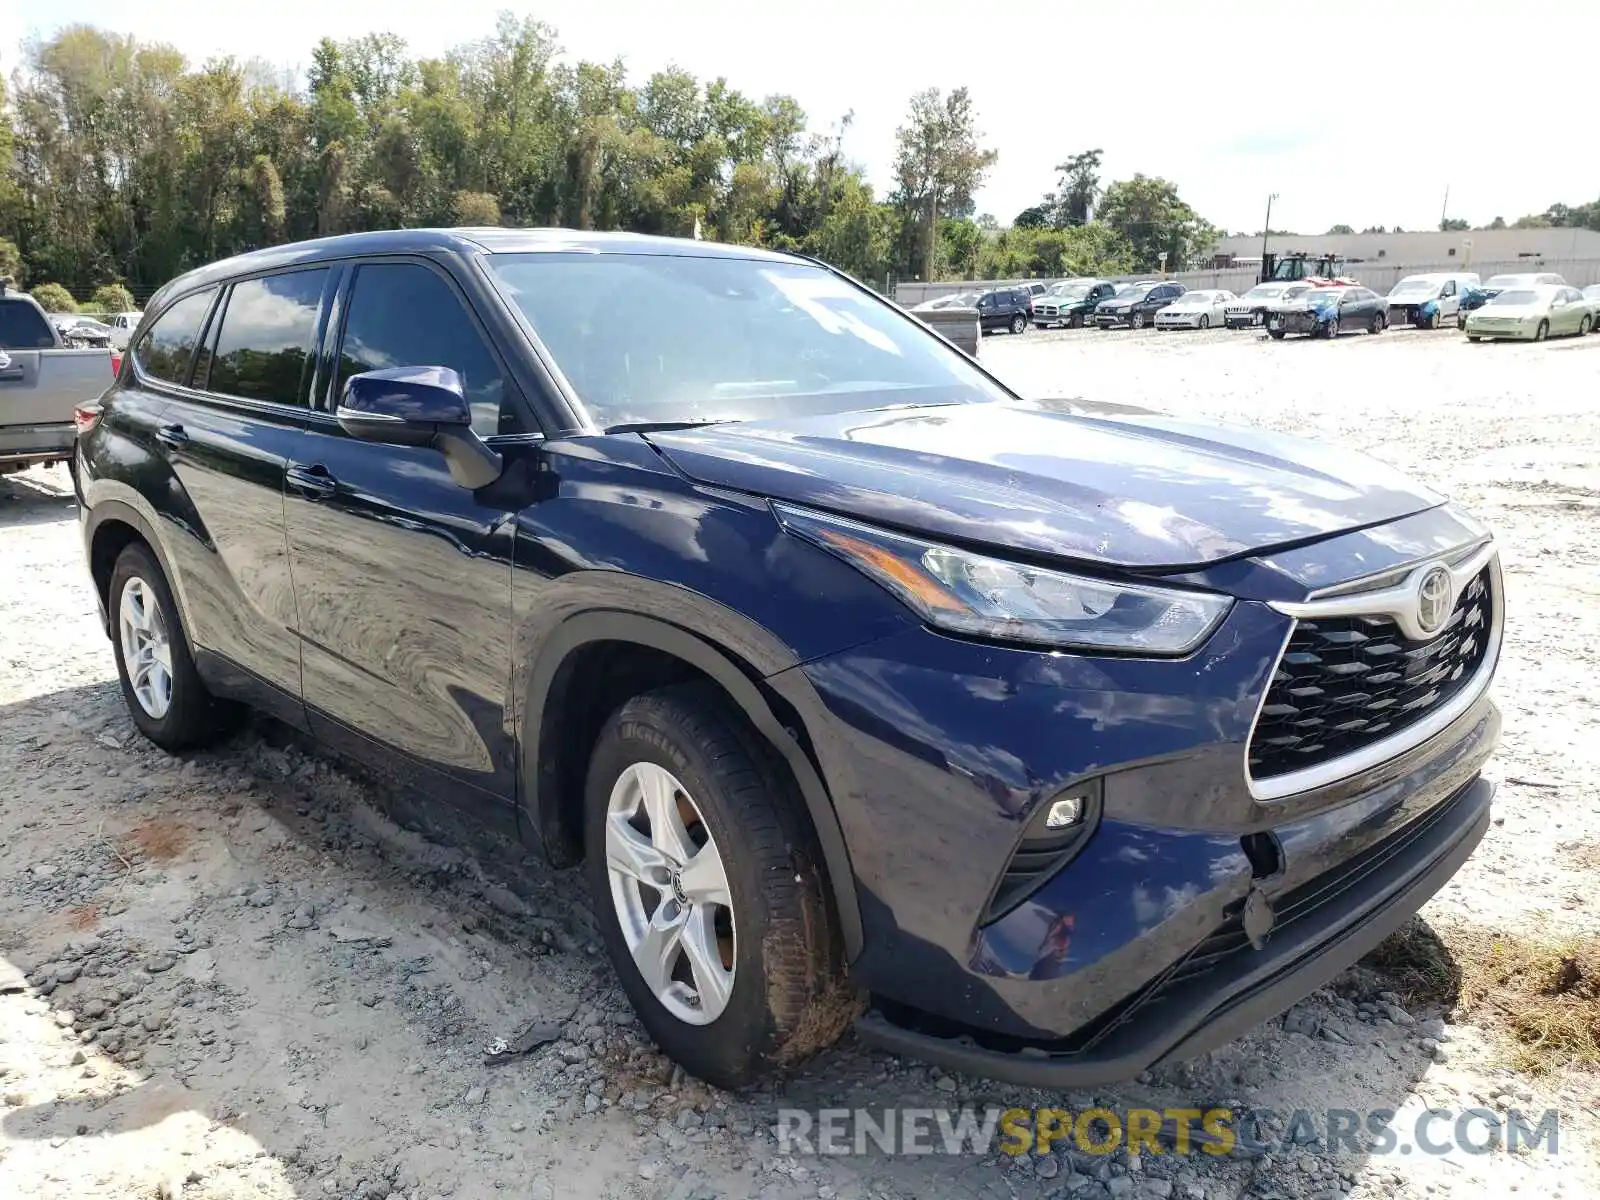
{"type": "Point", "coordinates": [1362, 113]}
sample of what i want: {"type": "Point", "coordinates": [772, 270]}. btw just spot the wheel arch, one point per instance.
{"type": "Point", "coordinates": [550, 788]}
{"type": "Point", "coordinates": [109, 528]}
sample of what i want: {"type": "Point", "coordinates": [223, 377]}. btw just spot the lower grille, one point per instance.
{"type": "Point", "coordinates": [1344, 683]}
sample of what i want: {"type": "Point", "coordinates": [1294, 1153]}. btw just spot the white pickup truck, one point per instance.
{"type": "Point", "coordinates": [41, 383]}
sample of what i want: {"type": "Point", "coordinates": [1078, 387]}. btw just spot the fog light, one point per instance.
{"type": "Point", "coordinates": [1064, 813]}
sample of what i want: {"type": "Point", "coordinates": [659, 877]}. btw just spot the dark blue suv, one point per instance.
{"type": "Point", "coordinates": [1039, 741]}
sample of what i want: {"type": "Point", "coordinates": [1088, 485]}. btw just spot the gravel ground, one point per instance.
{"type": "Point", "coordinates": [258, 971]}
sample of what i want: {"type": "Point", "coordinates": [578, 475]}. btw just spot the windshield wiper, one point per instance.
{"type": "Point", "coordinates": [664, 426]}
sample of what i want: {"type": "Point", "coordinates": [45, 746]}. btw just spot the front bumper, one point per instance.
{"type": "Point", "coordinates": [1224, 988]}
{"type": "Point", "coordinates": [1295, 322]}
{"type": "Point", "coordinates": [1113, 320]}
{"type": "Point", "coordinates": [1244, 320]}
{"type": "Point", "coordinates": [1519, 332]}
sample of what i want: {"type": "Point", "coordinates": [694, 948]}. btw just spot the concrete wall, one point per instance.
{"type": "Point", "coordinates": [1379, 276]}
{"type": "Point", "coordinates": [1467, 246]}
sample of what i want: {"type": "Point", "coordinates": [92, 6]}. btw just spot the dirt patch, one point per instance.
{"type": "Point", "coordinates": [83, 917]}
{"type": "Point", "coordinates": [157, 841]}
{"type": "Point", "coordinates": [1582, 856]}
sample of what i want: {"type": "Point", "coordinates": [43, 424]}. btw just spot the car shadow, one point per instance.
{"type": "Point", "coordinates": [37, 496]}
{"type": "Point", "coordinates": [338, 1027]}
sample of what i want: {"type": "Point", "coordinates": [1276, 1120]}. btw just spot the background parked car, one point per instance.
{"type": "Point", "coordinates": [1071, 302]}
{"type": "Point", "coordinates": [1005, 308]}
{"type": "Point", "coordinates": [1531, 314]}
{"type": "Point", "coordinates": [1195, 310]}
{"type": "Point", "coordinates": [82, 331]}
{"type": "Point", "coordinates": [1136, 306]}
{"type": "Point", "coordinates": [1251, 308]}
{"type": "Point", "coordinates": [43, 380]}
{"type": "Point", "coordinates": [122, 327]}
{"type": "Point", "coordinates": [1477, 297]}
{"type": "Point", "coordinates": [1330, 311]}
{"type": "Point", "coordinates": [1426, 300]}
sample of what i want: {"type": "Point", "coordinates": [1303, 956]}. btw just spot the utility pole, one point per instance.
{"type": "Point", "coordinates": [1266, 229]}
{"type": "Point", "coordinates": [1444, 211]}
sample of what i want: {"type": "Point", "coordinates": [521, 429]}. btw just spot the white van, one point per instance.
{"type": "Point", "coordinates": [1427, 300]}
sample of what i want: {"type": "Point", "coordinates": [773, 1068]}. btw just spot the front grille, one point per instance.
{"type": "Point", "coordinates": [1344, 683]}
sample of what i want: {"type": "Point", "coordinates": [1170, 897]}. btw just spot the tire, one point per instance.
{"type": "Point", "coordinates": [1136, 321]}
{"type": "Point", "coordinates": [1075, 321]}
{"type": "Point", "coordinates": [191, 715]}
{"type": "Point", "coordinates": [1584, 326]}
{"type": "Point", "coordinates": [1432, 322]}
{"type": "Point", "coordinates": [786, 998]}
{"type": "Point", "coordinates": [1461, 321]}
{"type": "Point", "coordinates": [1205, 320]}
{"type": "Point", "coordinates": [1275, 334]}
{"type": "Point", "coordinates": [1542, 332]}
{"type": "Point", "coordinates": [1376, 325]}
{"type": "Point", "coordinates": [1018, 323]}
{"type": "Point", "coordinates": [1472, 337]}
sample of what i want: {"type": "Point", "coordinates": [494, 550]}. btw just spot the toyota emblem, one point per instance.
{"type": "Point", "coordinates": [1434, 600]}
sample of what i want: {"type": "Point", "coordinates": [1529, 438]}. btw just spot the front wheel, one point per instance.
{"type": "Point", "coordinates": [1275, 334]}
{"type": "Point", "coordinates": [1432, 322]}
{"type": "Point", "coordinates": [1075, 321]}
{"type": "Point", "coordinates": [1205, 321]}
{"type": "Point", "coordinates": [1018, 323]}
{"type": "Point", "coordinates": [164, 693]}
{"type": "Point", "coordinates": [709, 890]}
{"type": "Point", "coordinates": [1542, 332]}
{"type": "Point", "coordinates": [1461, 322]}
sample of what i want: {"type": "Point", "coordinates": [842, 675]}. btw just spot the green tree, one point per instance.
{"type": "Point", "coordinates": [54, 298]}
{"type": "Point", "coordinates": [1452, 224]}
{"type": "Point", "coordinates": [939, 164]}
{"type": "Point", "coordinates": [1497, 223]}
{"type": "Point", "coordinates": [1335, 229]}
{"type": "Point", "coordinates": [1078, 187]}
{"type": "Point", "coordinates": [476, 209]}
{"type": "Point", "coordinates": [111, 298]}
{"type": "Point", "coordinates": [1151, 216]}
{"type": "Point", "coordinates": [10, 262]}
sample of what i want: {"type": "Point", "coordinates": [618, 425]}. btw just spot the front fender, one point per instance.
{"type": "Point", "coordinates": [734, 671]}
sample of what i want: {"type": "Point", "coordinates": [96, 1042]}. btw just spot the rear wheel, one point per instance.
{"type": "Point", "coordinates": [707, 886]}
{"type": "Point", "coordinates": [1137, 320]}
{"type": "Point", "coordinates": [1461, 321]}
{"type": "Point", "coordinates": [1583, 325]}
{"type": "Point", "coordinates": [1018, 323]}
{"type": "Point", "coordinates": [1542, 332]}
{"type": "Point", "coordinates": [1275, 334]}
{"type": "Point", "coordinates": [1376, 324]}
{"type": "Point", "coordinates": [165, 695]}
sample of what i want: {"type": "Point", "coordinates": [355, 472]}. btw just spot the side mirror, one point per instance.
{"type": "Point", "coordinates": [419, 406]}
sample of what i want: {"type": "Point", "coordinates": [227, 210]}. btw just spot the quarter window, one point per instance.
{"type": "Point", "coordinates": [164, 351]}
{"type": "Point", "coordinates": [404, 315]}
{"type": "Point", "coordinates": [267, 344]}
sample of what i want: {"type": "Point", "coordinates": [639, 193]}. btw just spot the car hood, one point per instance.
{"type": "Point", "coordinates": [1131, 489]}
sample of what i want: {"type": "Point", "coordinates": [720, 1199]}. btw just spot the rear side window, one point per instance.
{"type": "Point", "coordinates": [23, 327]}
{"type": "Point", "coordinates": [164, 351]}
{"type": "Point", "coordinates": [404, 315]}
{"type": "Point", "coordinates": [267, 343]}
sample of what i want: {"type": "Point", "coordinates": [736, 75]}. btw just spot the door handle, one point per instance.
{"type": "Point", "coordinates": [172, 435]}
{"type": "Point", "coordinates": [313, 482]}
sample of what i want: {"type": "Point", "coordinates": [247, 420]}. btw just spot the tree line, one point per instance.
{"type": "Point", "coordinates": [123, 165]}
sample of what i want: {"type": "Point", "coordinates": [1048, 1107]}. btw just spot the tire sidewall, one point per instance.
{"type": "Point", "coordinates": [744, 1033]}
{"type": "Point", "coordinates": [137, 562]}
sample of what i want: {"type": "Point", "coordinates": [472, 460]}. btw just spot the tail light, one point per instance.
{"type": "Point", "coordinates": [85, 417]}
{"type": "Point", "coordinates": [116, 364]}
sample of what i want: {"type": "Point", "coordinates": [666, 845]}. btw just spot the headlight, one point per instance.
{"type": "Point", "coordinates": [963, 592]}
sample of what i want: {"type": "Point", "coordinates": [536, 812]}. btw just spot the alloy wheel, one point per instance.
{"type": "Point", "coordinates": [146, 647]}
{"type": "Point", "coordinates": [670, 890]}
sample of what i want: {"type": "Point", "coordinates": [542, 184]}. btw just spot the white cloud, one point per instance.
{"type": "Point", "coordinates": [1363, 121]}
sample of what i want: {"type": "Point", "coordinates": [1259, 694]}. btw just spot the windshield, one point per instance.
{"type": "Point", "coordinates": [1520, 296]}
{"type": "Point", "coordinates": [1592, 292]}
{"type": "Point", "coordinates": [1414, 287]}
{"type": "Point", "coordinates": [1069, 291]}
{"type": "Point", "coordinates": [1504, 281]}
{"type": "Point", "coordinates": [1135, 291]}
{"type": "Point", "coordinates": [1265, 291]}
{"type": "Point", "coordinates": [645, 338]}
